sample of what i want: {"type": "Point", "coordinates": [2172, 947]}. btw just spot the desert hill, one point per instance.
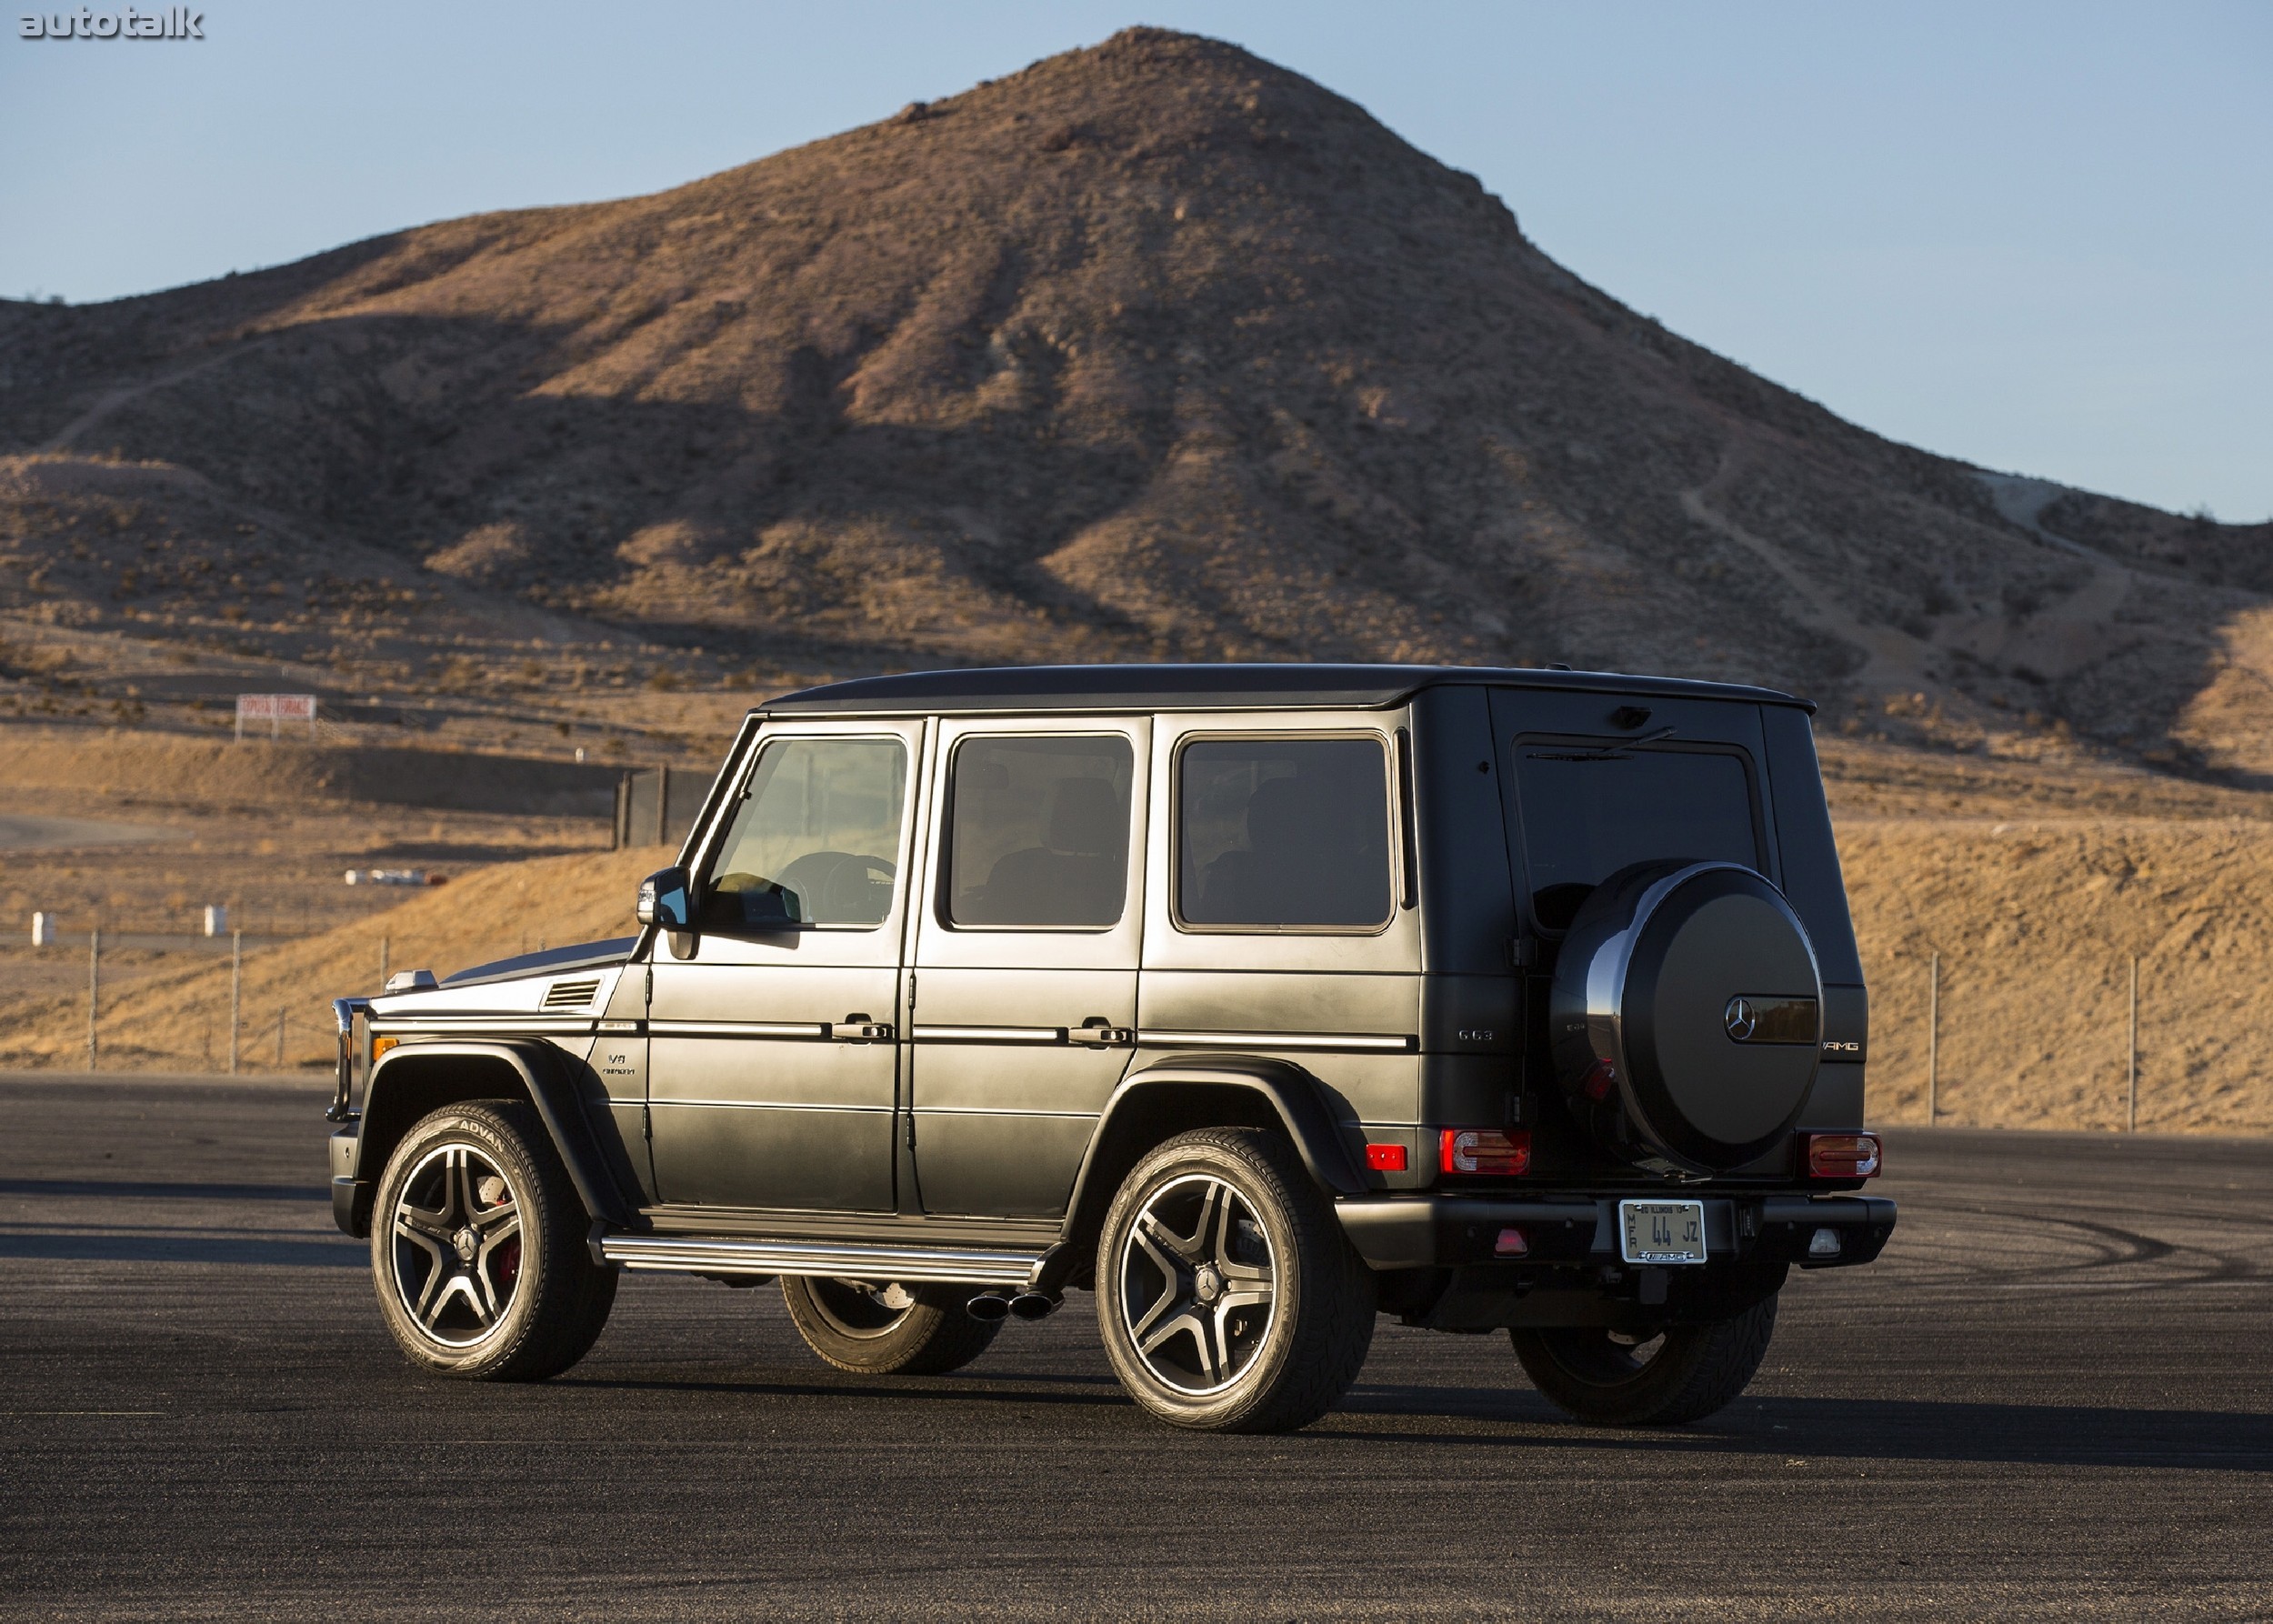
{"type": "Point", "coordinates": [1150, 350]}
{"type": "Point", "coordinates": [2035, 923]}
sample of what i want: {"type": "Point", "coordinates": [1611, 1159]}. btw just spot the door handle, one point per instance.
{"type": "Point", "coordinates": [1102, 1035]}
{"type": "Point", "coordinates": [859, 1029]}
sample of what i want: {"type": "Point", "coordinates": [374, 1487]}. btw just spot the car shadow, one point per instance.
{"type": "Point", "coordinates": [185, 1248]}
{"type": "Point", "coordinates": [125, 1189]}
{"type": "Point", "coordinates": [1835, 1430]}
{"type": "Point", "coordinates": [919, 1388]}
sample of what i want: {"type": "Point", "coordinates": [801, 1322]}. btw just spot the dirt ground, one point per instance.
{"type": "Point", "coordinates": [2035, 885]}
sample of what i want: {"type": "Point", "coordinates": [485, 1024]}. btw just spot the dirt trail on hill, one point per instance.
{"type": "Point", "coordinates": [1154, 349]}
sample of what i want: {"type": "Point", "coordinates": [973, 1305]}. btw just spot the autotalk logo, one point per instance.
{"type": "Point", "coordinates": [175, 22]}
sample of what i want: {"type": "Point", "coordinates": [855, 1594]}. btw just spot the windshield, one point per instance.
{"type": "Point", "coordinates": [1588, 808]}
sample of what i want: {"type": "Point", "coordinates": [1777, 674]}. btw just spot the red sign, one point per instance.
{"type": "Point", "coordinates": [275, 707]}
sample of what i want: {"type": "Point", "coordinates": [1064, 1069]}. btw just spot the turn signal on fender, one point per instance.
{"type": "Point", "coordinates": [1843, 1156]}
{"type": "Point", "coordinates": [1483, 1150]}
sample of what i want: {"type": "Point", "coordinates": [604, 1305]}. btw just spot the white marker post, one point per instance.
{"type": "Point", "coordinates": [94, 990]}
{"type": "Point", "coordinates": [237, 988]}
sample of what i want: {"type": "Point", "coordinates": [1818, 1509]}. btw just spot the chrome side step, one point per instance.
{"type": "Point", "coordinates": [839, 1259]}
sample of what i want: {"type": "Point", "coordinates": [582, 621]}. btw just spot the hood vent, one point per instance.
{"type": "Point", "coordinates": [571, 995]}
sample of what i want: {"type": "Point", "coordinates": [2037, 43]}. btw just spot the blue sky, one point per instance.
{"type": "Point", "coordinates": [2035, 235]}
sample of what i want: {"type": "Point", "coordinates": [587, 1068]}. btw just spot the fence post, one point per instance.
{"type": "Point", "coordinates": [2130, 1114]}
{"type": "Point", "coordinates": [1933, 1041]}
{"type": "Point", "coordinates": [237, 988]}
{"type": "Point", "coordinates": [94, 988]}
{"type": "Point", "coordinates": [662, 808]}
{"type": "Point", "coordinates": [383, 945]}
{"type": "Point", "coordinates": [280, 1039]}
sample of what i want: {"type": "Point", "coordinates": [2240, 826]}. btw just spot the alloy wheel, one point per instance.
{"type": "Point", "coordinates": [1198, 1284]}
{"type": "Point", "coordinates": [457, 1245]}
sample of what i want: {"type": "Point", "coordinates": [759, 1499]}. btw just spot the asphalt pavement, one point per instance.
{"type": "Point", "coordinates": [2052, 1398]}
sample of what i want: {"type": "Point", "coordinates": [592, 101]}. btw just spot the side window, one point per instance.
{"type": "Point", "coordinates": [1038, 831]}
{"type": "Point", "coordinates": [1283, 834]}
{"type": "Point", "coordinates": [813, 839]}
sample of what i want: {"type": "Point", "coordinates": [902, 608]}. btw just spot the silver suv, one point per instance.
{"type": "Point", "coordinates": [1256, 1000]}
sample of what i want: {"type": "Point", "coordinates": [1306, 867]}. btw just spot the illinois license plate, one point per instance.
{"type": "Point", "coordinates": [1662, 1231]}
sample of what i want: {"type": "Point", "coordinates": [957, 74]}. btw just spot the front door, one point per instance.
{"type": "Point", "coordinates": [773, 1059]}
{"type": "Point", "coordinates": [1025, 960]}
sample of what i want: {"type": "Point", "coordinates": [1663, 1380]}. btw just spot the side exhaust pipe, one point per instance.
{"type": "Point", "coordinates": [988, 1306]}
{"type": "Point", "coordinates": [1034, 1305]}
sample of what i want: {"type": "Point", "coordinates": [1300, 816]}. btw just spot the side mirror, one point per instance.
{"type": "Point", "coordinates": [666, 900]}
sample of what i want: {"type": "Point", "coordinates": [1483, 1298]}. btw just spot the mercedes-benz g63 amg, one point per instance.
{"type": "Point", "coordinates": [1257, 1000]}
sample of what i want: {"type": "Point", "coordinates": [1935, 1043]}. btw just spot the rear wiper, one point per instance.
{"type": "Point", "coordinates": [1613, 751]}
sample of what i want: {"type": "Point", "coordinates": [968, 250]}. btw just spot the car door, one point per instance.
{"type": "Point", "coordinates": [1025, 956]}
{"type": "Point", "coordinates": [773, 1064]}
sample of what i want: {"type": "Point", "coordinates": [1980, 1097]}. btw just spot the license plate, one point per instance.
{"type": "Point", "coordinates": [1662, 1231]}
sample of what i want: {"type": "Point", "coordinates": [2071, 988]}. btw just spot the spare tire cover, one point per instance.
{"type": "Point", "coordinates": [1687, 995]}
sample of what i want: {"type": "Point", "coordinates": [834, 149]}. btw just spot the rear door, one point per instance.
{"type": "Point", "coordinates": [1025, 956]}
{"type": "Point", "coordinates": [1595, 782]}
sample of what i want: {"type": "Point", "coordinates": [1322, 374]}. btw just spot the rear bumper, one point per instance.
{"type": "Point", "coordinates": [1434, 1231]}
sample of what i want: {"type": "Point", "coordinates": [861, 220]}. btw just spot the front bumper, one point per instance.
{"type": "Point", "coordinates": [1434, 1231]}
{"type": "Point", "coordinates": [351, 1196]}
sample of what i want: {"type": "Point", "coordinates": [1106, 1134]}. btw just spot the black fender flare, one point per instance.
{"type": "Point", "coordinates": [1279, 1091]}
{"type": "Point", "coordinates": [543, 1073]}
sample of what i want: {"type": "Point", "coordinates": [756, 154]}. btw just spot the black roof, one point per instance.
{"type": "Point", "coordinates": [1213, 687]}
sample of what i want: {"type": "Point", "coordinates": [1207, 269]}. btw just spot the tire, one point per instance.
{"type": "Point", "coordinates": [477, 1249]}
{"type": "Point", "coordinates": [1207, 1233]}
{"type": "Point", "coordinates": [887, 1330]}
{"type": "Point", "coordinates": [1611, 1380]}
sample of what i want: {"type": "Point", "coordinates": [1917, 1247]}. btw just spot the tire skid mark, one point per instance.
{"type": "Point", "coordinates": [2109, 1247]}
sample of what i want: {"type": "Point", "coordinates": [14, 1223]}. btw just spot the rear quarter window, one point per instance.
{"type": "Point", "coordinates": [1283, 832]}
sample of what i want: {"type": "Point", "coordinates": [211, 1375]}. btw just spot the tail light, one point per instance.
{"type": "Point", "coordinates": [1843, 1156]}
{"type": "Point", "coordinates": [1386, 1159]}
{"type": "Point", "coordinates": [1483, 1150]}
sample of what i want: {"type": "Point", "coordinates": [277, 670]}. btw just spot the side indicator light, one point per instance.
{"type": "Point", "coordinates": [379, 1046]}
{"type": "Point", "coordinates": [1483, 1150]}
{"type": "Point", "coordinates": [1511, 1244]}
{"type": "Point", "coordinates": [1386, 1159]}
{"type": "Point", "coordinates": [1843, 1156]}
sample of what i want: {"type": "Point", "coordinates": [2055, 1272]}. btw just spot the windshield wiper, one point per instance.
{"type": "Point", "coordinates": [1613, 751]}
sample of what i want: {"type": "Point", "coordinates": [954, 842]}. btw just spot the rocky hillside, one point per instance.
{"type": "Point", "coordinates": [1150, 350]}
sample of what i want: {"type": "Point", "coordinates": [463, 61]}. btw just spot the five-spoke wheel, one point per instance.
{"type": "Point", "coordinates": [1197, 1284]}
{"type": "Point", "coordinates": [457, 1245]}
{"type": "Point", "coordinates": [1226, 1294]}
{"type": "Point", "coordinates": [477, 1248]}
